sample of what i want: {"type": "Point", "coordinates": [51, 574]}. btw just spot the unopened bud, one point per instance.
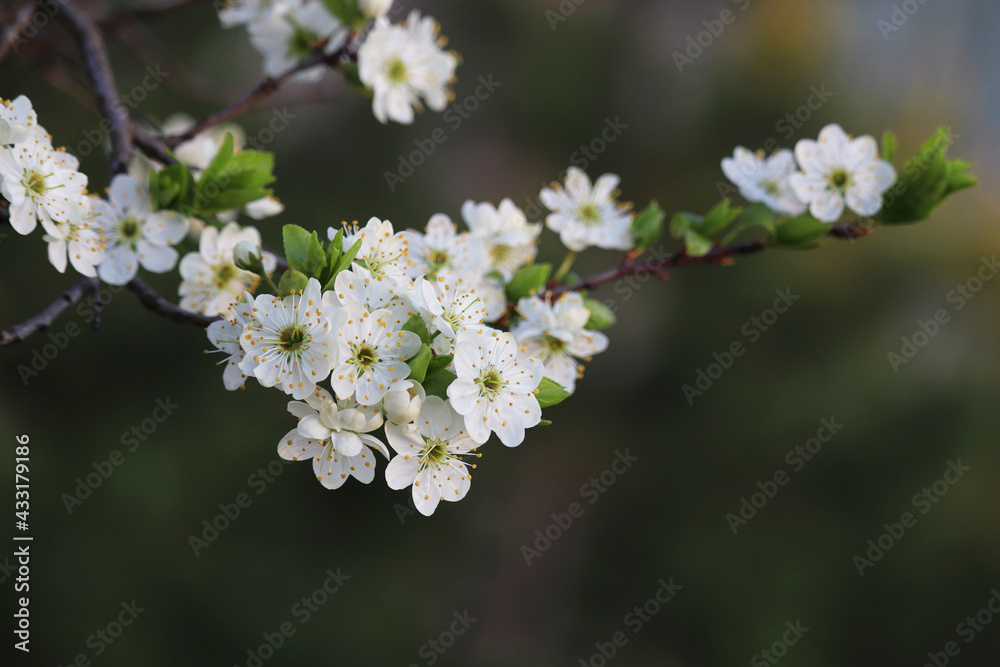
{"type": "Point", "coordinates": [373, 8]}
{"type": "Point", "coordinates": [247, 256]}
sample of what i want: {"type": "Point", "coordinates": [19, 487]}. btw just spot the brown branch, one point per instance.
{"type": "Point", "coordinates": [95, 58]}
{"type": "Point", "coordinates": [151, 299]}
{"type": "Point", "coordinates": [262, 90]}
{"type": "Point", "coordinates": [13, 31]}
{"type": "Point", "coordinates": [44, 319]}
{"type": "Point", "coordinates": [718, 255]}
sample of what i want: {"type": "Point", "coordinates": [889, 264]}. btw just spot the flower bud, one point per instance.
{"type": "Point", "coordinates": [403, 405]}
{"type": "Point", "coordinates": [374, 8]}
{"type": "Point", "coordinates": [247, 256]}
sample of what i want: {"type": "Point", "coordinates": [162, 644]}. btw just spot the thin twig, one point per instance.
{"type": "Point", "coordinates": [95, 58]}
{"type": "Point", "coordinates": [13, 31]}
{"type": "Point", "coordinates": [262, 90]}
{"type": "Point", "coordinates": [718, 255]}
{"type": "Point", "coordinates": [151, 299]}
{"type": "Point", "coordinates": [44, 319]}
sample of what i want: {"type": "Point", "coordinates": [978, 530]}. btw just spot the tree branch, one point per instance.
{"type": "Point", "coordinates": [13, 31]}
{"type": "Point", "coordinates": [95, 58]}
{"type": "Point", "coordinates": [264, 89]}
{"type": "Point", "coordinates": [152, 300]}
{"type": "Point", "coordinates": [44, 319]}
{"type": "Point", "coordinates": [718, 255]}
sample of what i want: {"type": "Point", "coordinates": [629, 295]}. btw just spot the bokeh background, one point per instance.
{"type": "Point", "coordinates": [665, 517]}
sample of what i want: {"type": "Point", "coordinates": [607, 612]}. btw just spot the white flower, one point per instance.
{"type": "Point", "coordinates": [495, 385]}
{"type": "Point", "coordinates": [211, 283]}
{"type": "Point", "coordinates": [839, 169]}
{"type": "Point", "coordinates": [509, 238]}
{"type": "Point", "coordinates": [442, 248]}
{"type": "Point", "coordinates": [555, 336]}
{"type": "Point", "coordinates": [83, 243]}
{"type": "Point", "coordinates": [403, 64]}
{"type": "Point", "coordinates": [374, 8]}
{"type": "Point", "coordinates": [17, 120]}
{"type": "Point", "coordinates": [292, 345]}
{"type": "Point", "coordinates": [372, 354]}
{"type": "Point", "coordinates": [402, 404]}
{"type": "Point", "coordinates": [454, 307]}
{"type": "Point", "coordinates": [286, 37]}
{"type": "Point", "coordinates": [430, 456]}
{"type": "Point", "coordinates": [335, 435]}
{"type": "Point", "coordinates": [372, 292]}
{"type": "Point", "coordinates": [135, 234]}
{"type": "Point", "coordinates": [383, 253]}
{"type": "Point", "coordinates": [586, 215]}
{"type": "Point", "coordinates": [241, 12]}
{"type": "Point", "coordinates": [42, 185]}
{"type": "Point", "coordinates": [765, 180]}
{"type": "Point", "coordinates": [225, 335]}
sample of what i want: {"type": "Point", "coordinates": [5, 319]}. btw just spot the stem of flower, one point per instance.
{"type": "Point", "coordinates": [567, 263]}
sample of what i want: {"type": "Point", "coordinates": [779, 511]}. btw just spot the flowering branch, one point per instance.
{"type": "Point", "coordinates": [265, 88]}
{"type": "Point", "coordinates": [95, 57]}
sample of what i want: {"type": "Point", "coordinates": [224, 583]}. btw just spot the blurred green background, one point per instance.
{"type": "Point", "coordinates": [665, 517]}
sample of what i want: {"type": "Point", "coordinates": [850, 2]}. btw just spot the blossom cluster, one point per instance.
{"type": "Point", "coordinates": [823, 176]}
{"type": "Point", "coordinates": [404, 66]}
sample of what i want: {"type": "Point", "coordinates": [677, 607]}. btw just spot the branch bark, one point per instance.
{"type": "Point", "coordinates": [44, 319]}
{"type": "Point", "coordinates": [13, 31]}
{"type": "Point", "coordinates": [152, 300]}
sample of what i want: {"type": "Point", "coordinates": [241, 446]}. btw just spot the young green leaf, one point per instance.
{"type": "Point", "coordinates": [888, 146]}
{"type": "Point", "coordinates": [348, 256]}
{"type": "Point", "coordinates": [527, 280]}
{"type": "Point", "coordinates": [759, 215]}
{"type": "Point", "coordinates": [550, 393]}
{"type": "Point", "coordinates": [695, 244]}
{"type": "Point", "coordinates": [417, 325]}
{"type": "Point", "coordinates": [418, 364]}
{"type": "Point", "coordinates": [682, 222]}
{"type": "Point", "coordinates": [601, 317]}
{"type": "Point", "coordinates": [648, 226]}
{"type": "Point", "coordinates": [303, 251]}
{"type": "Point", "coordinates": [292, 281]}
{"type": "Point", "coordinates": [437, 384]}
{"type": "Point", "coordinates": [438, 364]}
{"type": "Point", "coordinates": [717, 219]}
{"type": "Point", "coordinates": [800, 232]}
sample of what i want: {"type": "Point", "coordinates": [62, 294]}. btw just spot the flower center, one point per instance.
{"type": "Point", "coordinates": [128, 230]}
{"type": "Point", "coordinates": [589, 214]}
{"type": "Point", "coordinates": [499, 253]}
{"type": "Point", "coordinates": [839, 179]}
{"type": "Point", "coordinates": [557, 345]}
{"type": "Point", "coordinates": [435, 453]}
{"type": "Point", "coordinates": [396, 71]}
{"type": "Point", "coordinates": [770, 187]}
{"type": "Point", "coordinates": [224, 274]}
{"type": "Point", "coordinates": [364, 356]}
{"type": "Point", "coordinates": [35, 182]}
{"type": "Point", "coordinates": [292, 338]}
{"type": "Point", "coordinates": [437, 259]}
{"type": "Point", "coordinates": [490, 382]}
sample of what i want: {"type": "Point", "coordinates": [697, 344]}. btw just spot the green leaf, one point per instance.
{"type": "Point", "coordinates": [232, 180]}
{"type": "Point", "coordinates": [333, 253]}
{"type": "Point", "coordinates": [545, 422]}
{"type": "Point", "coordinates": [417, 325]}
{"type": "Point", "coordinates": [601, 317]}
{"type": "Point", "coordinates": [888, 146]}
{"type": "Point", "coordinates": [437, 384]}
{"type": "Point", "coordinates": [695, 244]}
{"type": "Point", "coordinates": [171, 187]}
{"type": "Point", "coordinates": [345, 10]}
{"type": "Point", "coordinates": [348, 257]}
{"type": "Point", "coordinates": [292, 280]}
{"type": "Point", "coordinates": [802, 231]}
{"type": "Point", "coordinates": [550, 393]}
{"type": "Point", "coordinates": [759, 215]}
{"type": "Point", "coordinates": [925, 181]}
{"type": "Point", "coordinates": [717, 219]}
{"type": "Point", "coordinates": [438, 364]}
{"type": "Point", "coordinates": [418, 364]}
{"type": "Point", "coordinates": [303, 251]}
{"type": "Point", "coordinates": [682, 222]}
{"type": "Point", "coordinates": [648, 226]}
{"type": "Point", "coordinates": [528, 280]}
